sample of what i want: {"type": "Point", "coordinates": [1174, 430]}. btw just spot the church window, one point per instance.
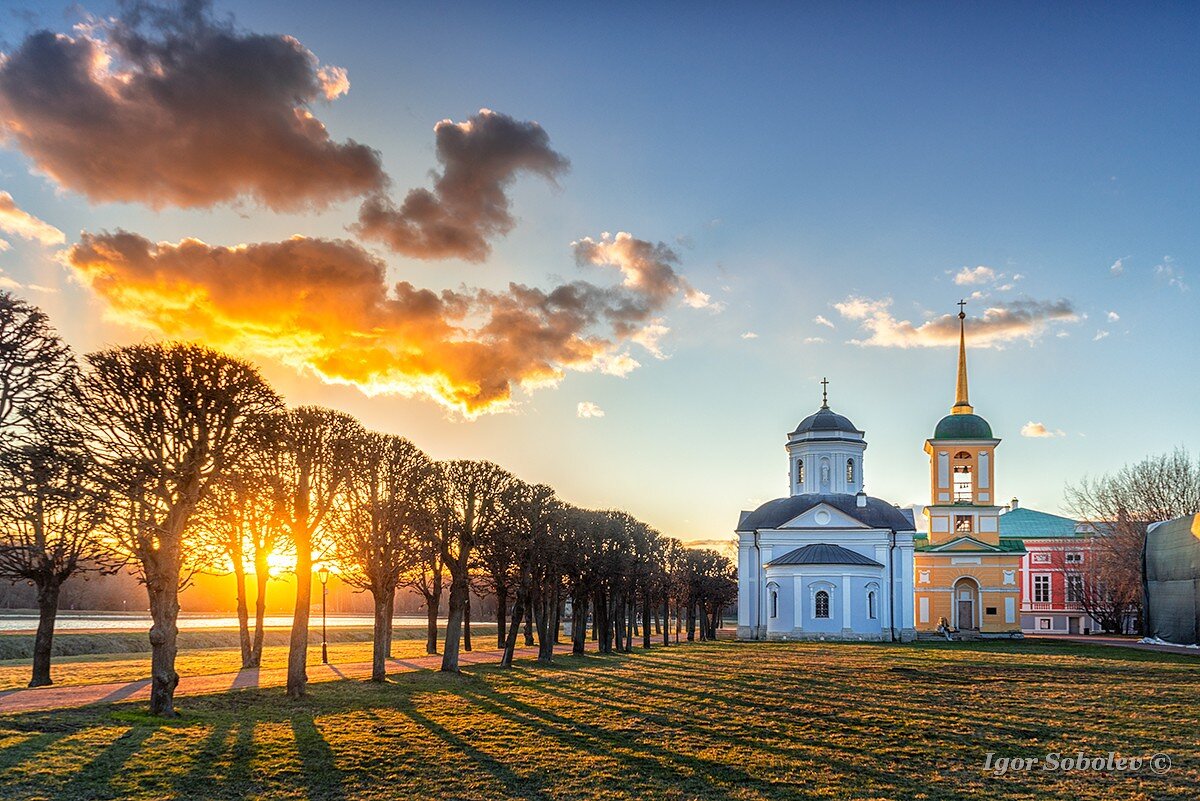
{"type": "Point", "coordinates": [871, 605]}
{"type": "Point", "coordinates": [1041, 589]}
{"type": "Point", "coordinates": [962, 524]}
{"type": "Point", "coordinates": [849, 471]}
{"type": "Point", "coordinates": [1074, 588]}
{"type": "Point", "coordinates": [964, 483]}
{"type": "Point", "coordinates": [774, 603]}
{"type": "Point", "coordinates": [1073, 558]}
{"type": "Point", "coordinates": [821, 604]}
{"type": "Point", "coordinates": [799, 471]}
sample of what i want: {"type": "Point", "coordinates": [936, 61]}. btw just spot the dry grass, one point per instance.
{"type": "Point", "coordinates": [719, 720]}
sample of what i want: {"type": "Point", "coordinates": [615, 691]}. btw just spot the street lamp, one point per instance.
{"type": "Point", "coordinates": [323, 573]}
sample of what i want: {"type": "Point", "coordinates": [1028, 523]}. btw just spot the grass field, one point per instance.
{"type": "Point", "coordinates": [718, 720]}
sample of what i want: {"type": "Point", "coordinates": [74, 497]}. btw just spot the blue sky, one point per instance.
{"type": "Point", "coordinates": [794, 156]}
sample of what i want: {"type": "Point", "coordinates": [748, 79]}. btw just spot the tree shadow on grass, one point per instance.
{"type": "Point", "coordinates": [94, 780]}
{"type": "Point", "coordinates": [323, 778]}
{"type": "Point", "coordinates": [526, 787]}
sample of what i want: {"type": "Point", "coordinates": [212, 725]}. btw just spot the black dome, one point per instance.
{"type": "Point", "coordinates": [825, 419]}
{"type": "Point", "coordinates": [876, 514]}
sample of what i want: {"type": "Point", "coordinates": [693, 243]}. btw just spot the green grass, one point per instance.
{"type": "Point", "coordinates": [718, 720]}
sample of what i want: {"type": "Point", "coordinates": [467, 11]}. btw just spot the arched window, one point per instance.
{"type": "Point", "coordinates": [849, 471]}
{"type": "Point", "coordinates": [821, 604]}
{"type": "Point", "coordinates": [799, 471]}
{"type": "Point", "coordinates": [871, 613]}
{"type": "Point", "coordinates": [964, 481]}
{"type": "Point", "coordinates": [774, 603]}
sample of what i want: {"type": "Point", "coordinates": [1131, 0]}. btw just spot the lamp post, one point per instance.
{"type": "Point", "coordinates": [323, 573]}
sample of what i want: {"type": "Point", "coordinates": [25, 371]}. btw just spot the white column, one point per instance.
{"type": "Point", "coordinates": [845, 602]}
{"type": "Point", "coordinates": [798, 603]}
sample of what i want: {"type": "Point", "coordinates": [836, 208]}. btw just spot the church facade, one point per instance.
{"type": "Point", "coordinates": [826, 561]}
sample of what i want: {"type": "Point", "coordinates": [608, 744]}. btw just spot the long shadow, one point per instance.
{"type": "Point", "coordinates": [245, 678]}
{"type": "Point", "coordinates": [17, 753]}
{"type": "Point", "coordinates": [121, 693]}
{"type": "Point", "coordinates": [526, 787]}
{"type": "Point", "coordinates": [205, 758]}
{"type": "Point", "coordinates": [321, 774]}
{"type": "Point", "coordinates": [95, 778]}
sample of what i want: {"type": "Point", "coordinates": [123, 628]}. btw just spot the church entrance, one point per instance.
{"type": "Point", "coordinates": [965, 604]}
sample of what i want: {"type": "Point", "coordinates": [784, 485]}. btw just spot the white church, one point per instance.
{"type": "Point", "coordinates": [828, 561]}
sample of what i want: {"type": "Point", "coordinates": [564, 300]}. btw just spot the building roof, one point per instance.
{"type": "Point", "coordinates": [876, 514]}
{"type": "Point", "coordinates": [1007, 545]}
{"type": "Point", "coordinates": [1030, 524]}
{"type": "Point", "coordinates": [962, 426]}
{"type": "Point", "coordinates": [822, 553]}
{"type": "Point", "coordinates": [825, 419]}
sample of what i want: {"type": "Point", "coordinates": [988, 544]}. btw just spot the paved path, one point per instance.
{"type": "Point", "coordinates": [43, 698]}
{"type": "Point", "coordinates": [1102, 639]}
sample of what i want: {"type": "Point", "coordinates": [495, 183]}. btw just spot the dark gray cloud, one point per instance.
{"type": "Point", "coordinates": [169, 106]}
{"type": "Point", "coordinates": [468, 204]}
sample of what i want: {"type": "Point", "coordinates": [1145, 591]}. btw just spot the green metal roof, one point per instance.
{"type": "Point", "coordinates": [963, 426]}
{"type": "Point", "coordinates": [921, 543]}
{"type": "Point", "coordinates": [1030, 524]}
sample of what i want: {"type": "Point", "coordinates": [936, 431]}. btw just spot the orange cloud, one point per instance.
{"type": "Point", "coordinates": [325, 306]}
{"type": "Point", "coordinates": [15, 220]}
{"type": "Point", "coordinates": [171, 107]}
{"type": "Point", "coordinates": [1000, 323]}
{"type": "Point", "coordinates": [469, 203]}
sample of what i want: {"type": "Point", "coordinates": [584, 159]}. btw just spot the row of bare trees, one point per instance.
{"type": "Point", "coordinates": [174, 458]}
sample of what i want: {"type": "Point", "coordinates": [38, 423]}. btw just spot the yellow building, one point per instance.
{"type": "Point", "coordinates": [965, 574]}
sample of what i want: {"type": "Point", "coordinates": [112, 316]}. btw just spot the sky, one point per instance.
{"type": "Point", "coordinates": [615, 247]}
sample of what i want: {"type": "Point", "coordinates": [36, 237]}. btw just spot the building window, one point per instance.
{"type": "Point", "coordinates": [1073, 558]}
{"type": "Point", "coordinates": [991, 610]}
{"type": "Point", "coordinates": [821, 604]}
{"type": "Point", "coordinates": [1040, 558]}
{"type": "Point", "coordinates": [962, 524]}
{"type": "Point", "coordinates": [1044, 623]}
{"type": "Point", "coordinates": [1074, 588]}
{"type": "Point", "coordinates": [799, 471]}
{"type": "Point", "coordinates": [1041, 589]}
{"type": "Point", "coordinates": [849, 471]}
{"type": "Point", "coordinates": [871, 605]}
{"type": "Point", "coordinates": [774, 603]}
{"type": "Point", "coordinates": [964, 483]}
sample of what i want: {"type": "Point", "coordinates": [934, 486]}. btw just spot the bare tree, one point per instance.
{"type": "Point", "coordinates": [468, 501]}
{"type": "Point", "coordinates": [242, 513]}
{"type": "Point", "coordinates": [50, 509]}
{"type": "Point", "coordinates": [387, 498]}
{"type": "Point", "coordinates": [1119, 507]}
{"type": "Point", "coordinates": [527, 510]}
{"type": "Point", "coordinates": [315, 452]}
{"type": "Point", "coordinates": [165, 421]}
{"type": "Point", "coordinates": [424, 572]}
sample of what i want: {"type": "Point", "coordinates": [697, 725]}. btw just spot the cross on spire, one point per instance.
{"type": "Point", "coordinates": [962, 309]}
{"type": "Point", "coordinates": [824, 393]}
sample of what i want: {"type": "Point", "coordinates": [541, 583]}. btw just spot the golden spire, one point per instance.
{"type": "Point", "coordinates": [961, 403]}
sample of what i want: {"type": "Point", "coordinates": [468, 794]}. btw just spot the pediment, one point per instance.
{"type": "Point", "coordinates": [964, 544]}
{"type": "Point", "coordinates": [823, 516]}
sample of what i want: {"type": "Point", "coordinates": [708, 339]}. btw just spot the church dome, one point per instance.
{"type": "Point", "coordinates": [825, 419]}
{"type": "Point", "coordinates": [962, 426]}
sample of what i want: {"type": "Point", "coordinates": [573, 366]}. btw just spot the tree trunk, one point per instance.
{"type": "Point", "coordinates": [379, 647]}
{"type": "Point", "coordinates": [243, 607]}
{"type": "Point", "coordinates": [389, 612]}
{"type": "Point", "coordinates": [510, 639]}
{"type": "Point", "coordinates": [467, 620]}
{"type": "Point", "coordinates": [691, 620]}
{"type": "Point", "coordinates": [454, 625]}
{"type": "Point", "coordinates": [297, 677]}
{"type": "Point", "coordinates": [646, 620]}
{"type": "Point", "coordinates": [501, 614]}
{"type": "Point", "coordinates": [556, 629]}
{"type": "Point", "coordinates": [579, 627]}
{"type": "Point", "coordinates": [47, 613]}
{"type": "Point", "coordinates": [545, 620]}
{"type": "Point", "coordinates": [529, 624]}
{"type": "Point", "coordinates": [666, 620]}
{"type": "Point", "coordinates": [261, 576]}
{"type": "Point", "coordinates": [431, 624]}
{"type": "Point", "coordinates": [164, 610]}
